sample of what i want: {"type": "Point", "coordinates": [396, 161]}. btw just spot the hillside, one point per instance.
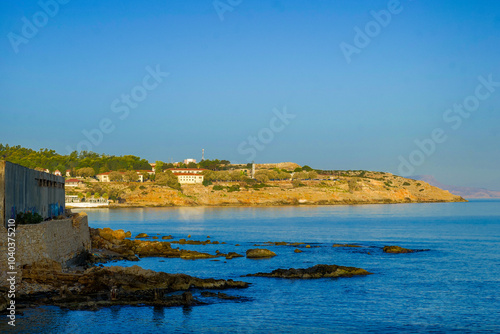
{"type": "Point", "coordinates": [466, 192]}
{"type": "Point", "coordinates": [351, 188]}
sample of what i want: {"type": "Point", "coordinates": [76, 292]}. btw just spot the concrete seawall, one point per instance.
{"type": "Point", "coordinates": [63, 241]}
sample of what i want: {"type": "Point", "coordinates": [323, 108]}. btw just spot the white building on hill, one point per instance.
{"type": "Point", "coordinates": [188, 175]}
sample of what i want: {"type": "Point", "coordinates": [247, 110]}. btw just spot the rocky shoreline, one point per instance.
{"type": "Point", "coordinates": [98, 287]}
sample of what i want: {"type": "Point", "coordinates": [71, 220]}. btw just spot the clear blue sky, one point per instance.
{"type": "Point", "coordinates": [227, 76]}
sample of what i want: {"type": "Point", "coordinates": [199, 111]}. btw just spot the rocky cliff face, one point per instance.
{"type": "Point", "coordinates": [350, 188]}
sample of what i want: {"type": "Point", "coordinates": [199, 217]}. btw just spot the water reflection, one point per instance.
{"type": "Point", "coordinates": [158, 316]}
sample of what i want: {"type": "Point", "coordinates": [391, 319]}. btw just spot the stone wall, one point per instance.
{"type": "Point", "coordinates": [61, 240]}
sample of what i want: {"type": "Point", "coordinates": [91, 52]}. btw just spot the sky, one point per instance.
{"type": "Point", "coordinates": [407, 87]}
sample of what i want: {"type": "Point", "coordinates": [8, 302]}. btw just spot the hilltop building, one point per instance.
{"type": "Point", "coordinates": [104, 177]}
{"type": "Point", "coordinates": [188, 175]}
{"type": "Point", "coordinates": [73, 182]}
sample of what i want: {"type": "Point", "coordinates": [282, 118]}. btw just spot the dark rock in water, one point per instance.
{"type": "Point", "coordinates": [297, 250]}
{"type": "Point", "coordinates": [191, 242]}
{"type": "Point", "coordinates": [167, 237]}
{"type": "Point", "coordinates": [259, 253]}
{"type": "Point", "coordinates": [397, 250]}
{"type": "Point", "coordinates": [280, 243]}
{"type": "Point", "coordinates": [345, 245]}
{"type": "Point", "coordinates": [230, 255]}
{"type": "Point", "coordinates": [318, 271]}
{"type": "Point", "coordinates": [141, 235]}
{"type": "Point", "coordinates": [105, 286]}
{"type": "Point", "coordinates": [219, 295]}
{"type": "Point", "coordinates": [125, 249]}
{"type": "Point", "coordinates": [187, 298]}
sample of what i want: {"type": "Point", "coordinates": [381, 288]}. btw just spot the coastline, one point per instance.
{"type": "Point", "coordinates": [376, 189]}
{"type": "Point", "coordinates": [231, 205]}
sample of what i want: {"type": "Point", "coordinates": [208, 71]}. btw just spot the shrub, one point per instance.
{"type": "Point", "coordinates": [218, 187]}
{"type": "Point", "coordinates": [353, 185]}
{"type": "Point", "coordinates": [207, 183]}
{"type": "Point", "coordinates": [142, 187]}
{"type": "Point", "coordinates": [406, 184]}
{"type": "Point", "coordinates": [260, 186]}
{"type": "Point", "coordinates": [235, 187]}
{"type": "Point", "coordinates": [297, 183]}
{"type": "Point", "coordinates": [132, 187]}
{"type": "Point", "coordinates": [28, 218]}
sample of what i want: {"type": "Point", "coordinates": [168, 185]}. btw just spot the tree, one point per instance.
{"type": "Point", "coordinates": [284, 175]}
{"type": "Point", "coordinates": [306, 168]}
{"type": "Point", "coordinates": [236, 175]}
{"type": "Point", "coordinates": [62, 169]}
{"type": "Point", "coordinates": [105, 196]}
{"type": "Point", "coordinates": [272, 175]}
{"type": "Point", "coordinates": [97, 195]}
{"type": "Point", "coordinates": [88, 195]}
{"type": "Point", "coordinates": [192, 165]}
{"type": "Point", "coordinates": [85, 172]}
{"type": "Point", "coordinates": [301, 176]}
{"type": "Point", "coordinates": [261, 176]}
{"type": "Point", "coordinates": [168, 179]}
{"type": "Point", "coordinates": [115, 176]}
{"type": "Point", "coordinates": [312, 175]}
{"type": "Point", "coordinates": [209, 175]}
{"type": "Point", "coordinates": [131, 176]}
{"type": "Point", "coordinates": [159, 166]}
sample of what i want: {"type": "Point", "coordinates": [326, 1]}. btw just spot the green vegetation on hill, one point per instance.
{"type": "Point", "coordinates": [49, 159]}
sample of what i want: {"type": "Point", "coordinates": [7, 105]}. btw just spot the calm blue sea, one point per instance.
{"type": "Point", "coordinates": [452, 288]}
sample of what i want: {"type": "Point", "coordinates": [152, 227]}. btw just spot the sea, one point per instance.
{"type": "Point", "coordinates": [451, 286]}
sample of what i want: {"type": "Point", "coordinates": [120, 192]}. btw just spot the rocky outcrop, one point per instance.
{"type": "Point", "coordinates": [219, 295]}
{"type": "Point", "coordinates": [397, 250]}
{"type": "Point", "coordinates": [97, 287]}
{"type": "Point", "coordinates": [345, 245]}
{"type": "Point", "coordinates": [108, 248]}
{"type": "Point", "coordinates": [259, 253]}
{"type": "Point", "coordinates": [280, 243]}
{"type": "Point", "coordinates": [318, 271]}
